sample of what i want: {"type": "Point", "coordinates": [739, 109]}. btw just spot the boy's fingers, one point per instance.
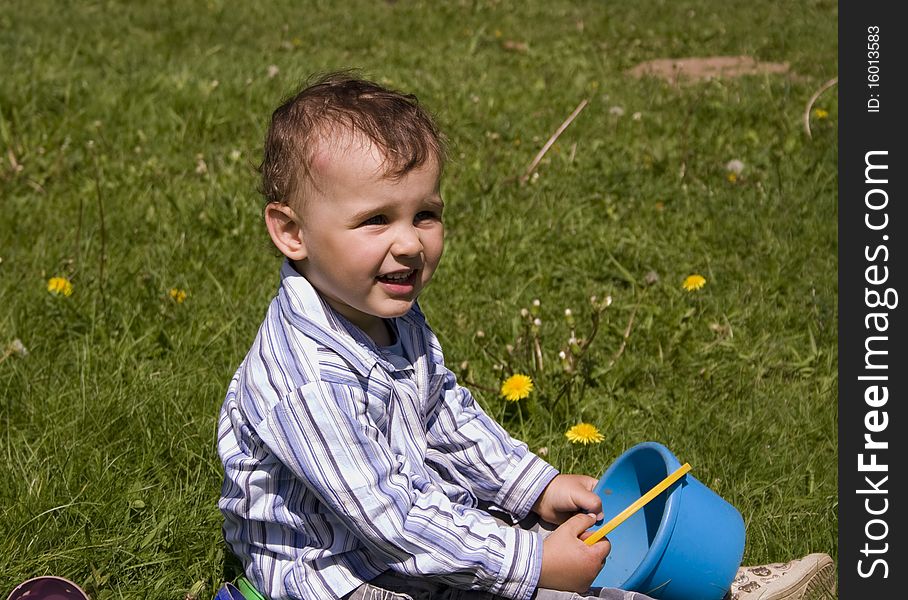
{"type": "Point", "coordinates": [603, 546]}
{"type": "Point", "coordinates": [579, 523]}
{"type": "Point", "coordinates": [590, 502]}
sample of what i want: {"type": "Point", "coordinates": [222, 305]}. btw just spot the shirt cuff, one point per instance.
{"type": "Point", "coordinates": [522, 566]}
{"type": "Point", "coordinates": [524, 484]}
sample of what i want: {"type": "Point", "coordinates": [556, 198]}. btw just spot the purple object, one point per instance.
{"type": "Point", "coordinates": [48, 588]}
{"type": "Point", "coordinates": [229, 591]}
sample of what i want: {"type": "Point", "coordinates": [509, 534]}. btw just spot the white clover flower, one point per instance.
{"type": "Point", "coordinates": [616, 111]}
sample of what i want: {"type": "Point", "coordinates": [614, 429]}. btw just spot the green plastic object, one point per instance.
{"type": "Point", "coordinates": [249, 592]}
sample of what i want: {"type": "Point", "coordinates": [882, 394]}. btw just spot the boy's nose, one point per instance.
{"type": "Point", "coordinates": [407, 242]}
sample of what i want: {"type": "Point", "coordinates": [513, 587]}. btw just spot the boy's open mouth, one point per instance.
{"type": "Point", "coordinates": [401, 278]}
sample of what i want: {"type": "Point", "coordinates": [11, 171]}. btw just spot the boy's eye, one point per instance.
{"type": "Point", "coordinates": [375, 220]}
{"type": "Point", "coordinates": [427, 215]}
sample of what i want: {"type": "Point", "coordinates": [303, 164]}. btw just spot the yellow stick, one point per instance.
{"type": "Point", "coordinates": [637, 505]}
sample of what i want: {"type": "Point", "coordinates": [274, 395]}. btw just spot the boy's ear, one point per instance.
{"type": "Point", "coordinates": [285, 231]}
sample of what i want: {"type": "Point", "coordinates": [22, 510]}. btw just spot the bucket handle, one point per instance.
{"type": "Point", "coordinates": [637, 505]}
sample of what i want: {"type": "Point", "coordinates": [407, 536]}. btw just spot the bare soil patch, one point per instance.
{"type": "Point", "coordinates": [676, 70]}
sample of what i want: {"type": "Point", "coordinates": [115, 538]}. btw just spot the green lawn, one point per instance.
{"type": "Point", "coordinates": [129, 137]}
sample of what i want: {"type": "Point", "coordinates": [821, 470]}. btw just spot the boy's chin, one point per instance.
{"type": "Point", "coordinates": [398, 309]}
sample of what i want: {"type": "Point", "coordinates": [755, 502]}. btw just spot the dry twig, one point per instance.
{"type": "Point", "coordinates": [627, 334]}
{"type": "Point", "coordinates": [813, 99]}
{"type": "Point", "coordinates": [551, 140]}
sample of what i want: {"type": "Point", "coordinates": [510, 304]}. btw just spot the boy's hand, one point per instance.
{"type": "Point", "coordinates": [567, 562]}
{"type": "Point", "coordinates": [566, 495]}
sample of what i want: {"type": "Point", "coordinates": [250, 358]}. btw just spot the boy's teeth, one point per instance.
{"type": "Point", "coordinates": [397, 276]}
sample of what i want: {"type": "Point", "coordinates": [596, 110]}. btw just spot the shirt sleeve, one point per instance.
{"type": "Point", "coordinates": [501, 469]}
{"type": "Point", "coordinates": [327, 437]}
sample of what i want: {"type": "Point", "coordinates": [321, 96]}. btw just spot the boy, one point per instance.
{"type": "Point", "coordinates": [355, 465]}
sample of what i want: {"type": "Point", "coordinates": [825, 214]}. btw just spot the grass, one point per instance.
{"type": "Point", "coordinates": [129, 137]}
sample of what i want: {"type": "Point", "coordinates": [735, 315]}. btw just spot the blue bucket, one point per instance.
{"type": "Point", "coordinates": [685, 543]}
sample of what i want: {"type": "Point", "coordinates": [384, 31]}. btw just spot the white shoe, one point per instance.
{"type": "Point", "coordinates": [808, 578]}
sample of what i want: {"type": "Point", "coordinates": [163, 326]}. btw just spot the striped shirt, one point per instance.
{"type": "Point", "coordinates": [342, 461]}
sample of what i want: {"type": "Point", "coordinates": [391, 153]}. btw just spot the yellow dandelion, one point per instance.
{"type": "Point", "coordinates": [178, 295]}
{"type": "Point", "coordinates": [516, 387]}
{"type": "Point", "coordinates": [693, 282]}
{"type": "Point", "coordinates": [584, 433]}
{"type": "Point", "coordinates": [820, 113]}
{"type": "Point", "coordinates": [60, 286]}
{"type": "Point", "coordinates": [732, 177]}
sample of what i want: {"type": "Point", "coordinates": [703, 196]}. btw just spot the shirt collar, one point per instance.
{"type": "Point", "coordinates": [306, 310]}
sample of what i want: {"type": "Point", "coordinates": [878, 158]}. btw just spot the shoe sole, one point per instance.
{"type": "Point", "coordinates": [818, 585]}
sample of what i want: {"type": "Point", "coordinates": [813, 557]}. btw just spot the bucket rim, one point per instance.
{"type": "Point", "coordinates": [669, 515]}
{"type": "Point", "coordinates": [32, 580]}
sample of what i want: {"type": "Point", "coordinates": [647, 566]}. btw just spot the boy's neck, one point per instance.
{"type": "Point", "coordinates": [383, 335]}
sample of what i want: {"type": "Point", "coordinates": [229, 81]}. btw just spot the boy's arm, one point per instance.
{"type": "Point", "coordinates": [327, 439]}
{"type": "Point", "coordinates": [500, 469]}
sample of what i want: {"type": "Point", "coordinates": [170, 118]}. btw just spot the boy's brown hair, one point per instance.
{"type": "Point", "coordinates": [403, 131]}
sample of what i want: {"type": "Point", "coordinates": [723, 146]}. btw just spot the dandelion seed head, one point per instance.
{"type": "Point", "coordinates": [734, 166]}
{"type": "Point", "coordinates": [18, 348]}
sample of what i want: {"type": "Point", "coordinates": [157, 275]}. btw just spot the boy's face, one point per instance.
{"type": "Point", "coordinates": [371, 243]}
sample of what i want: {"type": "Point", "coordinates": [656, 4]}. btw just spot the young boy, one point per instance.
{"type": "Point", "coordinates": [355, 465]}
